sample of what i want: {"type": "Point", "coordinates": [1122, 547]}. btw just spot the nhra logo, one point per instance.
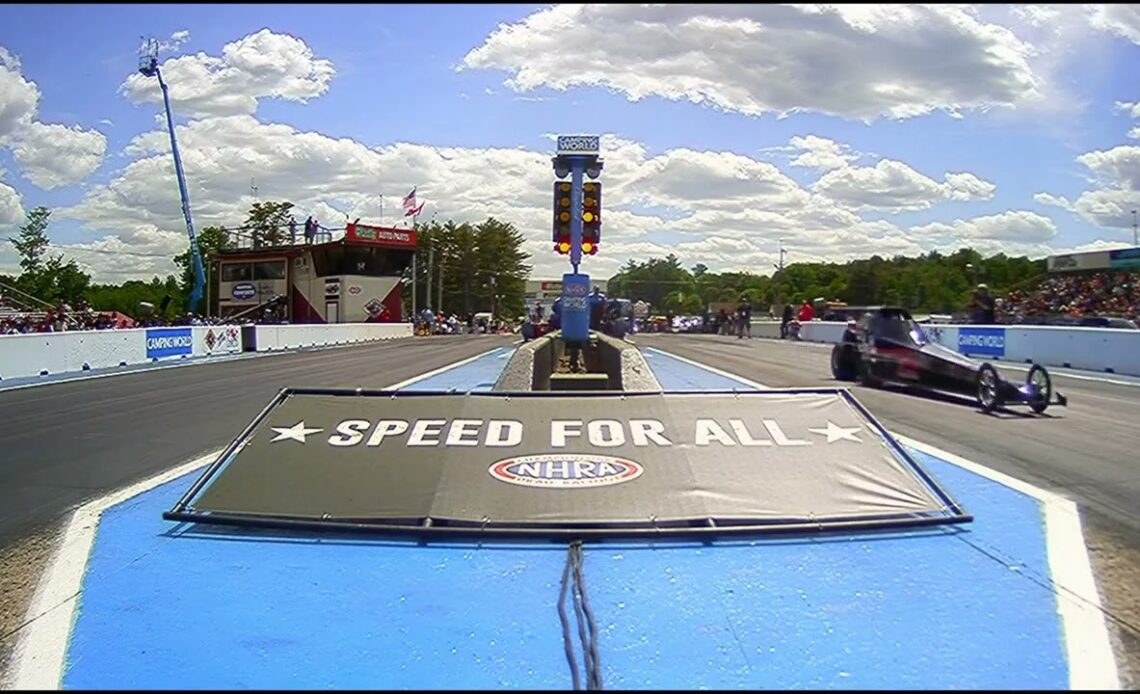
{"type": "Point", "coordinates": [565, 471]}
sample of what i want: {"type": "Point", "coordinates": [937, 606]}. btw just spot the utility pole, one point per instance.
{"type": "Point", "coordinates": [439, 274]}
{"type": "Point", "coordinates": [780, 274]}
{"type": "Point", "coordinates": [427, 284]}
{"type": "Point", "coordinates": [1135, 241]}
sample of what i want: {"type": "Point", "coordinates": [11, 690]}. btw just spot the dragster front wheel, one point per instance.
{"type": "Point", "coordinates": [1040, 387]}
{"type": "Point", "coordinates": [989, 388]}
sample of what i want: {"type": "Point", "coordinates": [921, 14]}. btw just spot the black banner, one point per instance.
{"type": "Point", "coordinates": [607, 460]}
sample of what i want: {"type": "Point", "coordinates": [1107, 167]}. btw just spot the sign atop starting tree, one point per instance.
{"type": "Point", "coordinates": [579, 144]}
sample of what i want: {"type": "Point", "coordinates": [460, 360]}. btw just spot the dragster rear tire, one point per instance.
{"type": "Point", "coordinates": [844, 362]}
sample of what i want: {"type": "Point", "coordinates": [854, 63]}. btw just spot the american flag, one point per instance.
{"type": "Point", "coordinates": [414, 210]}
{"type": "Point", "coordinates": [410, 200]}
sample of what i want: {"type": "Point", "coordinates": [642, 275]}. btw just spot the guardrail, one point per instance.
{"type": "Point", "coordinates": [1095, 349]}
{"type": "Point", "coordinates": [43, 354]}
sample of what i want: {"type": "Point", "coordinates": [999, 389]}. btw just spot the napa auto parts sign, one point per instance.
{"type": "Point", "coordinates": [383, 236]}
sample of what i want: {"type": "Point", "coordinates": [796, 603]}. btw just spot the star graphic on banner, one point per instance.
{"type": "Point", "coordinates": [297, 432]}
{"type": "Point", "coordinates": [834, 432]}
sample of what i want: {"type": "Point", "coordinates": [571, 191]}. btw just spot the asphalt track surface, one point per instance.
{"type": "Point", "coordinates": [1088, 451]}
{"type": "Point", "coordinates": [64, 443]}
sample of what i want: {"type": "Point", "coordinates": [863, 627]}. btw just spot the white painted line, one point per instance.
{"type": "Point", "coordinates": [711, 369]}
{"type": "Point", "coordinates": [39, 655]}
{"type": "Point", "coordinates": [1092, 664]}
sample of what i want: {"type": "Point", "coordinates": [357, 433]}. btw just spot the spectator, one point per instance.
{"type": "Point", "coordinates": [787, 318]}
{"type": "Point", "coordinates": [851, 332]}
{"type": "Point", "coordinates": [292, 230]}
{"type": "Point", "coordinates": [597, 309]}
{"type": "Point", "coordinates": [982, 306]}
{"type": "Point", "coordinates": [744, 318]}
{"type": "Point", "coordinates": [806, 312]}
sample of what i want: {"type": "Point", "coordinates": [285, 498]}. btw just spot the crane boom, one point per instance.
{"type": "Point", "coordinates": [195, 252]}
{"type": "Point", "coordinates": [148, 65]}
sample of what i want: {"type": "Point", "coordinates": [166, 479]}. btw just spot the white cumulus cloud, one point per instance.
{"type": "Point", "coordinates": [821, 153]}
{"type": "Point", "coordinates": [260, 65]}
{"type": "Point", "coordinates": [49, 155]}
{"type": "Point", "coordinates": [11, 208]}
{"type": "Point", "coordinates": [735, 209]}
{"type": "Point", "coordinates": [1122, 19]}
{"type": "Point", "coordinates": [1019, 226]}
{"type": "Point", "coordinates": [855, 61]}
{"type": "Point", "coordinates": [53, 156]}
{"type": "Point", "coordinates": [895, 186]}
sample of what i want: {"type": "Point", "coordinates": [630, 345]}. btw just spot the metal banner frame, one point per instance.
{"type": "Point", "coordinates": [441, 528]}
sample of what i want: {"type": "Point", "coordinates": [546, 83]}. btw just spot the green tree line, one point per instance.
{"type": "Point", "coordinates": [482, 266]}
{"type": "Point", "coordinates": [929, 283]}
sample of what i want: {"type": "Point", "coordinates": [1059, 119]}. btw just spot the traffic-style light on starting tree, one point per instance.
{"type": "Point", "coordinates": [562, 215]}
{"type": "Point", "coordinates": [591, 217]}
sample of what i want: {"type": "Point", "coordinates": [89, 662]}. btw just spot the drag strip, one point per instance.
{"type": "Point", "coordinates": [66, 442]}
{"type": "Point", "coordinates": [1087, 451]}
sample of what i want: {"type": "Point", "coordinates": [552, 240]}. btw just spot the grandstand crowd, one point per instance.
{"type": "Point", "coordinates": [1055, 299]}
{"type": "Point", "coordinates": [1106, 294]}
{"type": "Point", "coordinates": [17, 321]}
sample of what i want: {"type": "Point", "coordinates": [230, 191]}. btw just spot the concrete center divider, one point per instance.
{"type": "Point", "coordinates": [1095, 349]}
{"type": "Point", "coordinates": [44, 354]}
{"type": "Point", "coordinates": [271, 338]}
{"type": "Point", "coordinates": [534, 366]}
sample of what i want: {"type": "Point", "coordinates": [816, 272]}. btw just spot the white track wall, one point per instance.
{"type": "Point", "coordinates": [271, 338]}
{"type": "Point", "coordinates": [43, 354]}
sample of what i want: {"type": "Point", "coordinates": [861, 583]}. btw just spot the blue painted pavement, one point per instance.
{"type": "Point", "coordinates": [945, 608]}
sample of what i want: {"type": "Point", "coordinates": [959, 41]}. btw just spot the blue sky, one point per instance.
{"type": "Point", "coordinates": [1050, 156]}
